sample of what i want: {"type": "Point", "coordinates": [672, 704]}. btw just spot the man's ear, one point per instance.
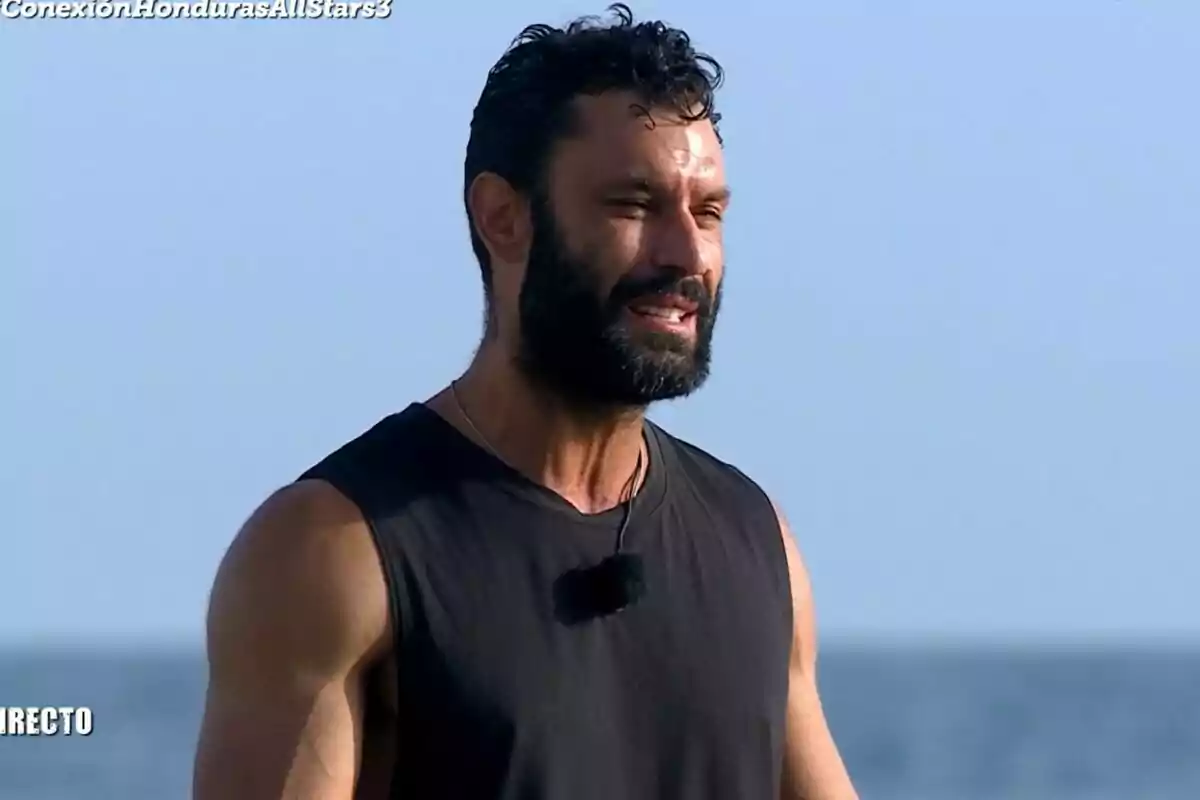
{"type": "Point", "coordinates": [501, 216]}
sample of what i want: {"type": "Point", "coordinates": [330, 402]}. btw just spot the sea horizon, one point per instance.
{"type": "Point", "coordinates": [916, 717]}
{"type": "Point", "coordinates": [1183, 643]}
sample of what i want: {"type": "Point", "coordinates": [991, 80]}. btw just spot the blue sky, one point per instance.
{"type": "Point", "coordinates": [960, 340]}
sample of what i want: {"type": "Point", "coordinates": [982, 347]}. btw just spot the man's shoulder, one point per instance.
{"type": "Point", "coordinates": [386, 463]}
{"type": "Point", "coordinates": [389, 438]}
{"type": "Point", "coordinates": [309, 530]}
{"type": "Point", "coordinates": [724, 489]}
{"type": "Point", "coordinates": [305, 554]}
{"type": "Point", "coordinates": [714, 472]}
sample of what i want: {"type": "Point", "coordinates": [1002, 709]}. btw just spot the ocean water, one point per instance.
{"type": "Point", "coordinates": [946, 724]}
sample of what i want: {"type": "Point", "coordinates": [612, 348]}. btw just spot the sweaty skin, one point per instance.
{"type": "Point", "coordinates": [693, 162]}
{"type": "Point", "coordinates": [298, 648]}
{"type": "Point", "coordinates": [812, 766]}
{"type": "Point", "coordinates": [301, 701]}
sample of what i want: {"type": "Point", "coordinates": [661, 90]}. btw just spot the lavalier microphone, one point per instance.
{"type": "Point", "coordinates": [603, 589]}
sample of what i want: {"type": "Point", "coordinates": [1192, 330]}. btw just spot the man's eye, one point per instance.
{"type": "Point", "coordinates": [629, 204]}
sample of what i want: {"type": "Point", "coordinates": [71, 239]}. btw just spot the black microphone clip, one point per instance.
{"type": "Point", "coordinates": [613, 585]}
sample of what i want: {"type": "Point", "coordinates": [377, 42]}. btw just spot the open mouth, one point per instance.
{"type": "Point", "coordinates": [665, 310]}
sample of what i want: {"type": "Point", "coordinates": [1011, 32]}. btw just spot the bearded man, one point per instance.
{"type": "Point", "coordinates": [521, 587]}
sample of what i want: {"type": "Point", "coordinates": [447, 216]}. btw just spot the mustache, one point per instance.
{"type": "Point", "coordinates": [664, 283]}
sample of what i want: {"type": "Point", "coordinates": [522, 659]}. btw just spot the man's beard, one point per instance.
{"type": "Point", "coordinates": [581, 344]}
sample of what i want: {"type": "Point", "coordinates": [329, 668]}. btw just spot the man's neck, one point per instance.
{"type": "Point", "coordinates": [586, 457]}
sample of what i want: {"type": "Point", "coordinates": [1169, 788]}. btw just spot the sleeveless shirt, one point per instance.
{"type": "Point", "coordinates": [680, 696]}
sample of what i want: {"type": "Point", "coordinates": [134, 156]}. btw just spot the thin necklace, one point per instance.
{"type": "Point", "coordinates": [628, 494]}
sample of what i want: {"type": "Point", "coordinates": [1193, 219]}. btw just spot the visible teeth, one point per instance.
{"type": "Point", "coordinates": [669, 314]}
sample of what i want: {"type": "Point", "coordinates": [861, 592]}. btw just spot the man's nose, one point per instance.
{"type": "Point", "coordinates": [678, 244]}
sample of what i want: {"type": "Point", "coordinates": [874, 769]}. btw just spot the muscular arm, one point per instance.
{"type": "Point", "coordinates": [298, 612]}
{"type": "Point", "coordinates": [812, 768]}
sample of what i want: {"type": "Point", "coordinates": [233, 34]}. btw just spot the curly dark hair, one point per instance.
{"type": "Point", "coordinates": [526, 106]}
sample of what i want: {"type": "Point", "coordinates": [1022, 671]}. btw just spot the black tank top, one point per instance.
{"type": "Point", "coordinates": [680, 695]}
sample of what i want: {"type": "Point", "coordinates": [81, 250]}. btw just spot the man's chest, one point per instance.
{"type": "Point", "coordinates": [705, 647]}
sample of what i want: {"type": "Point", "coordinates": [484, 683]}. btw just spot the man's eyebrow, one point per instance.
{"type": "Point", "coordinates": [636, 184]}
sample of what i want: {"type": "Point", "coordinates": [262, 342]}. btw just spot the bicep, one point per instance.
{"type": "Point", "coordinates": [287, 738]}
{"type": "Point", "coordinates": [294, 621]}
{"type": "Point", "coordinates": [813, 767]}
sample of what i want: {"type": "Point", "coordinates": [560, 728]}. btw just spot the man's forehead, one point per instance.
{"type": "Point", "coordinates": [695, 156]}
{"type": "Point", "coordinates": [617, 132]}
